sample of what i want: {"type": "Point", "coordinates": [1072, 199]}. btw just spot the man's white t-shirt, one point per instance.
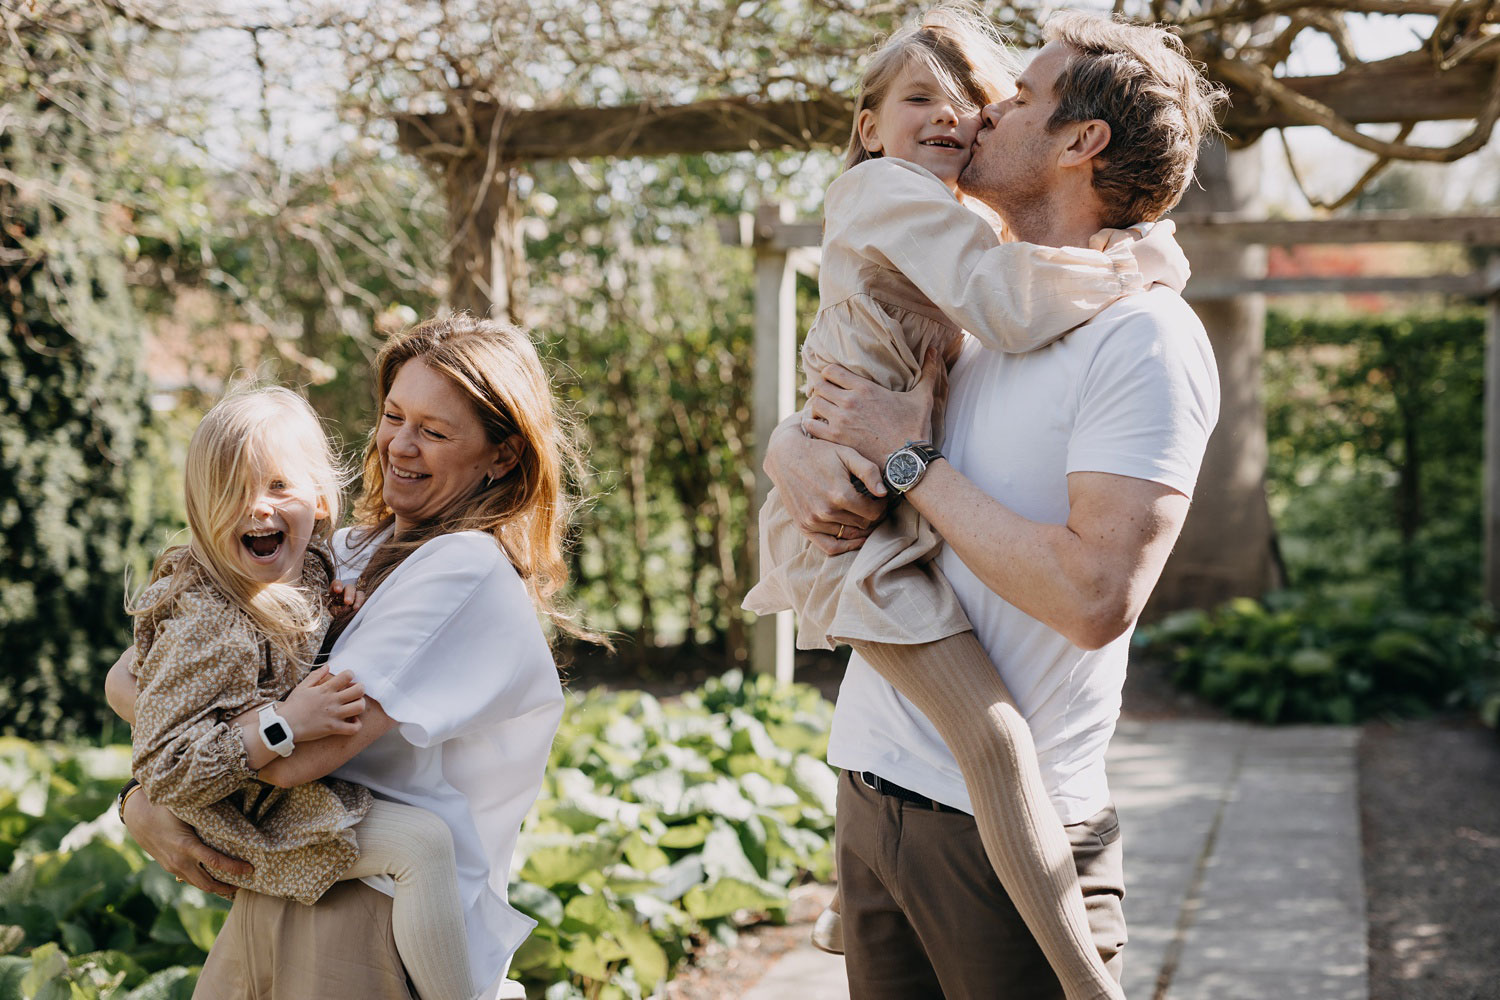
{"type": "Point", "coordinates": [1134, 392]}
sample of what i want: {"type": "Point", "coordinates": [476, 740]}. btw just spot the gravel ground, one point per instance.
{"type": "Point", "coordinates": [1430, 804]}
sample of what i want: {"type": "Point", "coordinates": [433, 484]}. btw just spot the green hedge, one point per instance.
{"type": "Point", "coordinates": [659, 825]}
{"type": "Point", "coordinates": [1301, 657]}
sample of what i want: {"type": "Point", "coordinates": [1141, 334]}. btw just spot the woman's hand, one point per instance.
{"type": "Point", "coordinates": [324, 704]}
{"type": "Point", "coordinates": [176, 847]}
{"type": "Point", "coordinates": [855, 412]}
{"type": "Point", "coordinates": [816, 481]}
{"type": "Point", "coordinates": [350, 599]}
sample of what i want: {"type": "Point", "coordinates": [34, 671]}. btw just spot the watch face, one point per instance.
{"type": "Point", "coordinates": [275, 733]}
{"type": "Point", "coordinates": [903, 469]}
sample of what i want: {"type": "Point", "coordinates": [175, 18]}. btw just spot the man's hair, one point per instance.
{"type": "Point", "coordinates": [1158, 104]}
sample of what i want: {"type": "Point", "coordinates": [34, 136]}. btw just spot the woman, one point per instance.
{"type": "Point", "coordinates": [458, 544]}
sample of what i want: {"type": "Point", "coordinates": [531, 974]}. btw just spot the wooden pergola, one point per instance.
{"type": "Point", "coordinates": [477, 145]}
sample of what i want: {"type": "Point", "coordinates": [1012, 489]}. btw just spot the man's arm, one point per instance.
{"type": "Point", "coordinates": [1088, 578]}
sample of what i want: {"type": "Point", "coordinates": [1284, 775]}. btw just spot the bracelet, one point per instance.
{"type": "Point", "coordinates": [131, 787]}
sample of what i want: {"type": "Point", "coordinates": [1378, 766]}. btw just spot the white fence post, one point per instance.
{"type": "Point", "coordinates": [775, 396]}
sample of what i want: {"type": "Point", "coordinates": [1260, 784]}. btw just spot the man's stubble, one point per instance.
{"type": "Point", "coordinates": [1015, 185]}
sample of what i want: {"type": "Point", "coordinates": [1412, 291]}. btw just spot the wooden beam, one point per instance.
{"type": "Point", "coordinates": [1371, 227]}
{"type": "Point", "coordinates": [715, 126]}
{"type": "Point", "coordinates": [1471, 284]}
{"type": "Point", "coordinates": [1393, 90]}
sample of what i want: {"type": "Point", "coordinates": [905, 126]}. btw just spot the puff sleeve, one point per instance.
{"type": "Point", "coordinates": [1012, 297]}
{"type": "Point", "coordinates": [194, 665]}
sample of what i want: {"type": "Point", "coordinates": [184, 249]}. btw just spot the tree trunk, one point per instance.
{"type": "Point", "coordinates": [1228, 545]}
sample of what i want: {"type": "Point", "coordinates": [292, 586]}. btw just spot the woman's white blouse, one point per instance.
{"type": "Point", "coordinates": [451, 647]}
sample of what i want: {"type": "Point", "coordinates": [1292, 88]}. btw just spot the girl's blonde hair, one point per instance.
{"type": "Point", "coordinates": [962, 48]}
{"type": "Point", "coordinates": [496, 367]}
{"type": "Point", "coordinates": [247, 438]}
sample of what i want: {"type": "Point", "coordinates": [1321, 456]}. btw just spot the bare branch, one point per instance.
{"type": "Point", "coordinates": [1304, 110]}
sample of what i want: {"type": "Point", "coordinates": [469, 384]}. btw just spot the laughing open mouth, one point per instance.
{"type": "Point", "coordinates": [262, 545]}
{"type": "Point", "coordinates": [943, 142]}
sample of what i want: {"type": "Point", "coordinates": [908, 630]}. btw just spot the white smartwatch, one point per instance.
{"type": "Point", "coordinates": [275, 731]}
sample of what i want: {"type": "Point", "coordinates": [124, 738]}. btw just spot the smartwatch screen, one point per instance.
{"type": "Point", "coordinates": [275, 733]}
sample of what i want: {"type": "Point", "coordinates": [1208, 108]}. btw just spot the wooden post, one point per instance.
{"type": "Point", "coordinates": [775, 397]}
{"type": "Point", "coordinates": [1227, 547]}
{"type": "Point", "coordinates": [484, 262]}
{"type": "Point", "coordinates": [1492, 436]}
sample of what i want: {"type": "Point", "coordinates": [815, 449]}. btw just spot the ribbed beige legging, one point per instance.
{"type": "Point", "coordinates": [954, 684]}
{"type": "Point", "coordinates": [415, 848]}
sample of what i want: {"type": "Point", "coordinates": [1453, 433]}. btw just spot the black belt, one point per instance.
{"type": "Point", "coordinates": [895, 791]}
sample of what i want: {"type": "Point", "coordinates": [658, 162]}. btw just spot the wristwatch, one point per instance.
{"type": "Point", "coordinates": [275, 732]}
{"type": "Point", "coordinates": [906, 466]}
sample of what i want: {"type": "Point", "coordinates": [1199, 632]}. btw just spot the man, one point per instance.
{"type": "Point", "coordinates": [1067, 476]}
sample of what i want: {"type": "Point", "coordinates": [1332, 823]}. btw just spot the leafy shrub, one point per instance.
{"type": "Point", "coordinates": [1375, 430]}
{"type": "Point", "coordinates": [658, 824]}
{"type": "Point", "coordinates": [78, 886]}
{"type": "Point", "coordinates": [1303, 657]}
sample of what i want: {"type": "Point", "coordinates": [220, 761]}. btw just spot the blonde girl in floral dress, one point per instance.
{"type": "Point", "coordinates": [226, 634]}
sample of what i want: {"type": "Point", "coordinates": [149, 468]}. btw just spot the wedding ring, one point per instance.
{"type": "Point", "coordinates": [177, 877]}
{"type": "Point", "coordinates": [840, 535]}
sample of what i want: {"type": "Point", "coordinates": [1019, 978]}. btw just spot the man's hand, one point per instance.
{"type": "Point", "coordinates": [324, 704]}
{"type": "Point", "coordinates": [176, 846]}
{"type": "Point", "coordinates": [815, 484]}
{"type": "Point", "coordinates": [855, 412]}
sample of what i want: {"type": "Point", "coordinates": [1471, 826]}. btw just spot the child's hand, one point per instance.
{"type": "Point", "coordinates": [324, 704]}
{"type": "Point", "coordinates": [346, 599]}
{"type": "Point", "coordinates": [1157, 255]}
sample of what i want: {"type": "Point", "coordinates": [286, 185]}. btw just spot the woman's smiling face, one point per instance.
{"type": "Point", "coordinates": [433, 449]}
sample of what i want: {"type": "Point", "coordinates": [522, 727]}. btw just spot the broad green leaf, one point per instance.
{"type": "Point", "coordinates": [200, 923]}
{"type": "Point", "coordinates": [727, 896]}
{"type": "Point", "coordinates": [643, 952]}
{"type": "Point", "coordinates": [582, 956]}
{"type": "Point", "coordinates": [559, 864]}
{"type": "Point", "coordinates": [541, 903]}
{"type": "Point", "coordinates": [686, 834]}
{"type": "Point", "coordinates": [643, 856]}
{"type": "Point", "coordinates": [815, 781]}
{"type": "Point", "coordinates": [48, 962]}
{"type": "Point", "coordinates": [175, 983]}
{"type": "Point", "coordinates": [536, 952]}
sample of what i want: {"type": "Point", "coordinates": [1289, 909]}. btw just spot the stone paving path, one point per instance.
{"type": "Point", "coordinates": [1242, 863]}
